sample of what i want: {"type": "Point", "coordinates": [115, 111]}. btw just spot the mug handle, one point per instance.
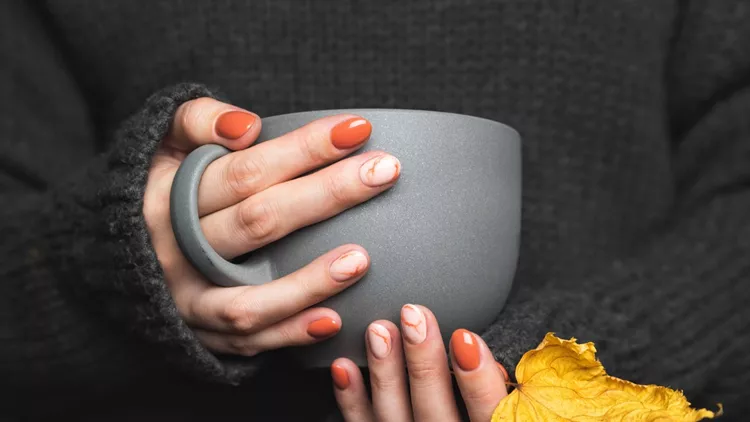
{"type": "Point", "coordinates": [183, 208]}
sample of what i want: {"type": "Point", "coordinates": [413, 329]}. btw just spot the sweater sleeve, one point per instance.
{"type": "Point", "coordinates": [82, 296]}
{"type": "Point", "coordinates": [674, 312]}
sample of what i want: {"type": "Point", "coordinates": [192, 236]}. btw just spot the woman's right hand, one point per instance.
{"type": "Point", "coordinates": [254, 196]}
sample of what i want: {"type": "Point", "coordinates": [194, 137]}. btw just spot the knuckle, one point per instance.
{"type": "Point", "coordinates": [337, 189]}
{"type": "Point", "coordinates": [241, 346]}
{"type": "Point", "coordinates": [479, 395]}
{"type": "Point", "coordinates": [287, 336]}
{"type": "Point", "coordinates": [240, 316]}
{"type": "Point", "coordinates": [423, 372]}
{"type": "Point", "coordinates": [259, 220]}
{"type": "Point", "coordinates": [188, 114]}
{"type": "Point", "coordinates": [182, 114]}
{"type": "Point", "coordinates": [312, 289]}
{"type": "Point", "coordinates": [354, 408]}
{"type": "Point", "coordinates": [382, 382]}
{"type": "Point", "coordinates": [353, 411]}
{"type": "Point", "coordinates": [309, 144]}
{"type": "Point", "coordinates": [244, 175]}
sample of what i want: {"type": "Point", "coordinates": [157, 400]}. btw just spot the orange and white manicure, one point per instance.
{"type": "Point", "coordinates": [380, 170]}
{"type": "Point", "coordinates": [413, 324]}
{"type": "Point", "coordinates": [379, 340]}
{"type": "Point", "coordinates": [348, 266]}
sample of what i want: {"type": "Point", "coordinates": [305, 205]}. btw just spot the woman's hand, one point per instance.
{"type": "Point", "coordinates": [427, 394]}
{"type": "Point", "coordinates": [252, 197]}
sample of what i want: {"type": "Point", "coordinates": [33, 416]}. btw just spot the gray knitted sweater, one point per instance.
{"type": "Point", "coordinates": [636, 215]}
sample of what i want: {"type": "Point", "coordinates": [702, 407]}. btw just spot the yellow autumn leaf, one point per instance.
{"type": "Point", "coordinates": [562, 380]}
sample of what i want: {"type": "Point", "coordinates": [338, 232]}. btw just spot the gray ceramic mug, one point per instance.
{"type": "Point", "coordinates": [445, 236]}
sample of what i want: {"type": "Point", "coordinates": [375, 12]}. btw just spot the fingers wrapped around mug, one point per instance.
{"type": "Point", "coordinates": [410, 377]}
{"type": "Point", "coordinates": [286, 207]}
{"type": "Point", "coordinates": [251, 197]}
{"type": "Point", "coordinates": [430, 380]}
{"type": "Point", "coordinates": [247, 310]}
{"type": "Point", "coordinates": [249, 320]}
{"type": "Point", "coordinates": [235, 177]}
{"type": "Point", "coordinates": [308, 327]}
{"type": "Point", "coordinates": [418, 349]}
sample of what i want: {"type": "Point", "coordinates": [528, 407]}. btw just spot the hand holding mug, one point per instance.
{"type": "Point", "coordinates": [410, 376]}
{"type": "Point", "coordinates": [252, 197]}
{"type": "Point", "coordinates": [446, 235]}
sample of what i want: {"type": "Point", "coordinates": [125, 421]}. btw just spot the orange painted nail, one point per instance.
{"type": "Point", "coordinates": [340, 376]}
{"type": "Point", "coordinates": [465, 349]}
{"type": "Point", "coordinates": [350, 133]}
{"type": "Point", "coordinates": [234, 124]}
{"type": "Point", "coordinates": [324, 327]}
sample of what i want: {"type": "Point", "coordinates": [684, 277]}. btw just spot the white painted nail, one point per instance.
{"type": "Point", "coordinates": [380, 170]}
{"type": "Point", "coordinates": [413, 324]}
{"type": "Point", "coordinates": [379, 340]}
{"type": "Point", "coordinates": [348, 266]}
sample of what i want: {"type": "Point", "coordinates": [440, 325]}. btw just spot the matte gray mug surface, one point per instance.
{"type": "Point", "coordinates": [445, 236]}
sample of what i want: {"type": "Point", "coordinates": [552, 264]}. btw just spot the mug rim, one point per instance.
{"type": "Point", "coordinates": [395, 111]}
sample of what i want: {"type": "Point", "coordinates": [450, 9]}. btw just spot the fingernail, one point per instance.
{"type": "Point", "coordinates": [324, 327]}
{"type": "Point", "coordinates": [234, 124]}
{"type": "Point", "coordinates": [413, 324]}
{"type": "Point", "coordinates": [340, 376]}
{"type": "Point", "coordinates": [379, 340]}
{"type": "Point", "coordinates": [350, 133]}
{"type": "Point", "coordinates": [504, 371]}
{"type": "Point", "coordinates": [465, 349]}
{"type": "Point", "coordinates": [380, 170]}
{"type": "Point", "coordinates": [348, 265]}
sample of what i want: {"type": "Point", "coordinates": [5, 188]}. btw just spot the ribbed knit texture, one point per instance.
{"type": "Point", "coordinates": [79, 252]}
{"type": "Point", "coordinates": [635, 122]}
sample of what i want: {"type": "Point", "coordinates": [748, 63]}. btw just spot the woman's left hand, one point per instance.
{"type": "Point", "coordinates": [427, 393]}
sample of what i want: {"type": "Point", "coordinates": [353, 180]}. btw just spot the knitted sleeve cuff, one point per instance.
{"type": "Point", "coordinates": [123, 273]}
